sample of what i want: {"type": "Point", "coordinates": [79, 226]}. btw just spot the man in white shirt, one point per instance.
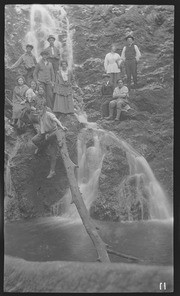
{"type": "Point", "coordinates": [48, 134]}
{"type": "Point", "coordinates": [131, 55]}
{"type": "Point", "coordinates": [120, 96]}
{"type": "Point", "coordinates": [111, 64]}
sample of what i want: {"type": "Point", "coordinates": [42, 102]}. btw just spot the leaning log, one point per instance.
{"type": "Point", "coordinates": [78, 200]}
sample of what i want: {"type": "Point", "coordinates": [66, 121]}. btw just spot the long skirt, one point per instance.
{"type": "Point", "coordinates": [17, 110]}
{"type": "Point", "coordinates": [63, 104]}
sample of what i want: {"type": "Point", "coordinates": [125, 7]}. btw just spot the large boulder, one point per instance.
{"type": "Point", "coordinates": [32, 194]}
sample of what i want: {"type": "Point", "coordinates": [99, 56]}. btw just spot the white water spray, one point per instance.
{"type": "Point", "coordinates": [50, 20]}
{"type": "Point", "coordinates": [43, 23]}
{"type": "Point", "coordinates": [90, 163]}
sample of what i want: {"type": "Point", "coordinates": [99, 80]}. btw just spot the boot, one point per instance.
{"type": "Point", "coordinates": [110, 114]}
{"type": "Point", "coordinates": [51, 174]}
{"type": "Point", "coordinates": [118, 114]}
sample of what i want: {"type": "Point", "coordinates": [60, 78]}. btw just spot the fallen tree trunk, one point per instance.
{"type": "Point", "coordinates": [78, 201]}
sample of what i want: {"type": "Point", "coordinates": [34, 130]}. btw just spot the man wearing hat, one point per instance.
{"type": "Point", "coordinates": [131, 55]}
{"type": "Point", "coordinates": [54, 53]}
{"type": "Point", "coordinates": [106, 93]}
{"type": "Point", "coordinates": [44, 75]}
{"type": "Point", "coordinates": [28, 61]}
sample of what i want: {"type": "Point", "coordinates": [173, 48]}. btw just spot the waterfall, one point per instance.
{"type": "Point", "coordinates": [46, 20]}
{"type": "Point", "coordinates": [90, 162]}
{"type": "Point", "coordinates": [159, 205]}
{"type": "Point", "coordinates": [52, 19]}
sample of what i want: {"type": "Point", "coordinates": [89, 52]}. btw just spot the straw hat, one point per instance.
{"type": "Point", "coordinates": [29, 45]}
{"type": "Point", "coordinates": [129, 34]}
{"type": "Point", "coordinates": [44, 52]}
{"type": "Point", "coordinates": [51, 36]}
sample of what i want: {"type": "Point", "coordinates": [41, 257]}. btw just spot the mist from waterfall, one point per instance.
{"type": "Point", "coordinates": [52, 19]}
{"type": "Point", "coordinates": [90, 163]}
{"type": "Point", "coordinates": [48, 20]}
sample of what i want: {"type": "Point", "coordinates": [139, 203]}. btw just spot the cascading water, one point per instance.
{"type": "Point", "coordinates": [90, 169]}
{"type": "Point", "coordinates": [43, 23]}
{"type": "Point", "coordinates": [52, 19]}
{"type": "Point", "coordinates": [90, 162]}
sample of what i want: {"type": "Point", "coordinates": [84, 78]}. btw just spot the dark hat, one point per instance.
{"type": "Point", "coordinates": [106, 75]}
{"type": "Point", "coordinates": [129, 34]}
{"type": "Point", "coordinates": [29, 45]}
{"type": "Point", "coordinates": [51, 36]}
{"type": "Point", "coordinates": [44, 52]}
{"type": "Point", "coordinates": [63, 61]}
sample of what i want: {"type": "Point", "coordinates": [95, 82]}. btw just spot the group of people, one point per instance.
{"type": "Point", "coordinates": [114, 93]}
{"type": "Point", "coordinates": [46, 90]}
{"type": "Point", "coordinates": [49, 73]}
{"type": "Point", "coordinates": [41, 94]}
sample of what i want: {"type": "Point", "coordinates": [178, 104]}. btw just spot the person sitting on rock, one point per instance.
{"type": "Point", "coordinates": [120, 96]}
{"type": "Point", "coordinates": [32, 91]}
{"type": "Point", "coordinates": [106, 93]}
{"type": "Point", "coordinates": [17, 100]}
{"type": "Point", "coordinates": [111, 64]}
{"type": "Point", "coordinates": [47, 135]}
{"type": "Point", "coordinates": [33, 105]}
{"type": "Point", "coordinates": [44, 75]}
{"type": "Point", "coordinates": [131, 55]}
{"type": "Point", "coordinates": [54, 53]}
{"type": "Point", "coordinates": [28, 61]}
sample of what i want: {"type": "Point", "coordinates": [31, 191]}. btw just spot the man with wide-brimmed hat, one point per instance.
{"type": "Point", "coordinates": [131, 55]}
{"type": "Point", "coordinates": [54, 53]}
{"type": "Point", "coordinates": [28, 63]}
{"type": "Point", "coordinates": [44, 75]}
{"type": "Point", "coordinates": [106, 93]}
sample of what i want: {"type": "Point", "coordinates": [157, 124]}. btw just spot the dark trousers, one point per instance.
{"type": "Point", "coordinates": [131, 70]}
{"type": "Point", "coordinates": [113, 78]}
{"type": "Point", "coordinates": [105, 105]}
{"type": "Point", "coordinates": [48, 94]}
{"type": "Point", "coordinates": [29, 76]}
{"type": "Point", "coordinates": [41, 142]}
{"type": "Point", "coordinates": [55, 64]}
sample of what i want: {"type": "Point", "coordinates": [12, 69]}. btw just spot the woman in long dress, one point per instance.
{"type": "Point", "coordinates": [112, 65]}
{"type": "Point", "coordinates": [63, 90]}
{"type": "Point", "coordinates": [19, 93]}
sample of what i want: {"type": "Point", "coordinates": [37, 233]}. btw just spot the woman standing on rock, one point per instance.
{"type": "Point", "coordinates": [63, 90]}
{"type": "Point", "coordinates": [111, 64]}
{"type": "Point", "coordinates": [19, 97]}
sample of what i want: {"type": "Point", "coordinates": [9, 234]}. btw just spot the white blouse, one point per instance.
{"type": "Point", "coordinates": [111, 62]}
{"type": "Point", "coordinates": [64, 75]}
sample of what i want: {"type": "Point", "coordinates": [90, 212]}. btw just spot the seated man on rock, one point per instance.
{"type": "Point", "coordinates": [120, 96]}
{"type": "Point", "coordinates": [48, 135]}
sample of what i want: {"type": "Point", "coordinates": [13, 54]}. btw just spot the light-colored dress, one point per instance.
{"type": "Point", "coordinates": [63, 92]}
{"type": "Point", "coordinates": [18, 96]}
{"type": "Point", "coordinates": [111, 64]}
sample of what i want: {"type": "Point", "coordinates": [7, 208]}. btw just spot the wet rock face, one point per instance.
{"type": "Point", "coordinates": [114, 169]}
{"type": "Point", "coordinates": [148, 126]}
{"type": "Point", "coordinates": [33, 193]}
{"type": "Point", "coordinates": [121, 197]}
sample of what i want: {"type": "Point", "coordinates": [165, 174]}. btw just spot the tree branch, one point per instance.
{"type": "Point", "coordinates": [78, 201]}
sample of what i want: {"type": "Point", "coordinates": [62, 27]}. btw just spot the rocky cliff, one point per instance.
{"type": "Point", "coordinates": [148, 127]}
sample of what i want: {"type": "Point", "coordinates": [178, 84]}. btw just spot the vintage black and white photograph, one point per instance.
{"type": "Point", "coordinates": [88, 139]}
